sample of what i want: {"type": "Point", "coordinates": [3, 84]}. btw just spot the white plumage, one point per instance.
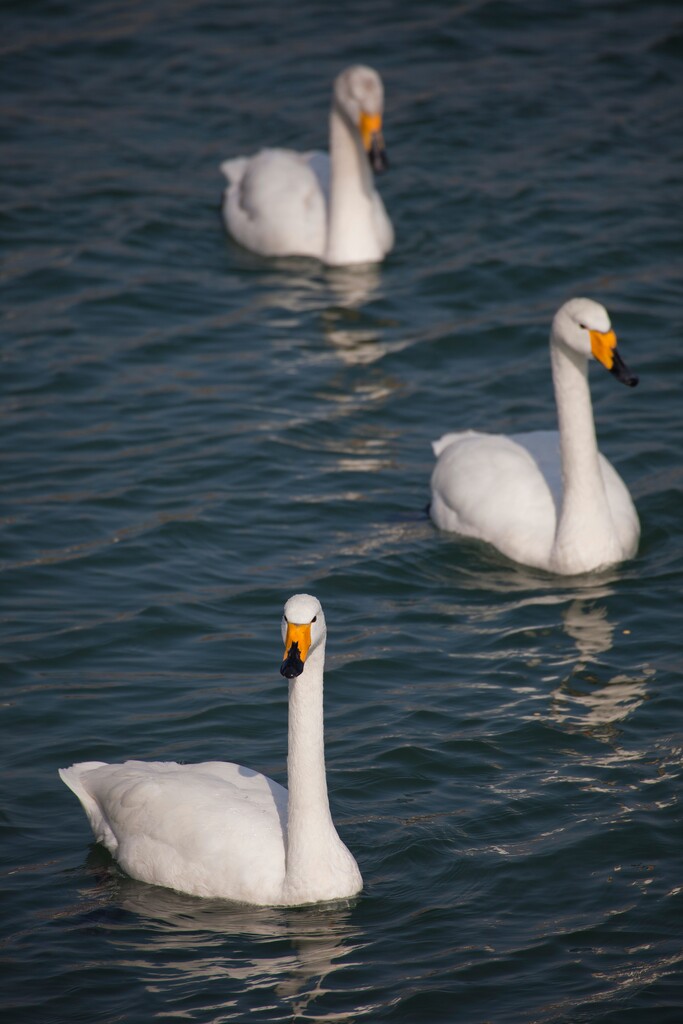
{"type": "Point", "coordinates": [221, 830]}
{"type": "Point", "coordinates": [548, 499]}
{"type": "Point", "coordinates": [283, 203]}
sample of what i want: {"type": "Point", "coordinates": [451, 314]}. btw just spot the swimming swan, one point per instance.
{"type": "Point", "coordinates": [547, 499]}
{"type": "Point", "coordinates": [221, 830]}
{"type": "Point", "coordinates": [283, 203]}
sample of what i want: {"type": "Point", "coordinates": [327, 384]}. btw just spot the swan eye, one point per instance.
{"type": "Point", "coordinates": [583, 327]}
{"type": "Point", "coordinates": [314, 619]}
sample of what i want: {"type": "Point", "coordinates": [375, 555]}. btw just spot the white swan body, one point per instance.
{"type": "Point", "coordinates": [548, 499]}
{"type": "Point", "coordinates": [220, 830]}
{"type": "Point", "coordinates": [283, 203]}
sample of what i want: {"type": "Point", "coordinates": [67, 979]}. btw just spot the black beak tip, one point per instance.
{"type": "Point", "coordinates": [622, 372]}
{"type": "Point", "coordinates": [292, 666]}
{"type": "Point", "coordinates": [624, 376]}
{"type": "Point", "coordinates": [377, 156]}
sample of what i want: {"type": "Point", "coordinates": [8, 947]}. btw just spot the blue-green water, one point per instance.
{"type": "Point", "coordinates": [190, 434]}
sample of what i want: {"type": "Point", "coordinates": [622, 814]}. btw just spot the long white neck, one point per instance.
{"type": "Point", "coordinates": [585, 536]}
{"type": "Point", "coordinates": [351, 228]}
{"type": "Point", "coordinates": [313, 846]}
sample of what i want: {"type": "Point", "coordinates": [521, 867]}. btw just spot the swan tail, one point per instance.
{"type": "Point", "coordinates": [447, 439]}
{"type": "Point", "coordinates": [234, 169]}
{"type": "Point", "coordinates": [73, 777]}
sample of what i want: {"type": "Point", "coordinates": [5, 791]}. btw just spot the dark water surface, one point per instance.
{"type": "Point", "coordinates": [190, 434]}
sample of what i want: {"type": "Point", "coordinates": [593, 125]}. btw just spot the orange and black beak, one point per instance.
{"type": "Point", "coordinates": [297, 643]}
{"type": "Point", "coordinates": [604, 348]}
{"type": "Point", "coordinates": [370, 128]}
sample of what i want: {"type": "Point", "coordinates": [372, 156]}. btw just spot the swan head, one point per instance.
{"type": "Point", "coordinates": [359, 94]}
{"type": "Point", "coordinates": [584, 326]}
{"type": "Point", "coordinates": [303, 629]}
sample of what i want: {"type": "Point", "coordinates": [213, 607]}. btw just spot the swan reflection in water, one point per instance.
{"type": "Point", "coordinates": [587, 624]}
{"type": "Point", "coordinates": [585, 700]}
{"type": "Point", "coordinates": [294, 290]}
{"type": "Point", "coordinates": [587, 694]}
{"type": "Point", "coordinates": [357, 336]}
{"type": "Point", "coordinates": [257, 953]}
{"type": "Point", "coordinates": [353, 287]}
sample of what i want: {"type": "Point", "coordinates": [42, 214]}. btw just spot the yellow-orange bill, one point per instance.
{"type": "Point", "coordinates": [603, 346]}
{"type": "Point", "coordinates": [298, 634]}
{"type": "Point", "coordinates": [369, 126]}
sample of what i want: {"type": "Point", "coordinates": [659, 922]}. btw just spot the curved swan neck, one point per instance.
{"type": "Point", "coordinates": [578, 442]}
{"type": "Point", "coordinates": [350, 217]}
{"type": "Point", "coordinates": [310, 828]}
{"type": "Point", "coordinates": [584, 536]}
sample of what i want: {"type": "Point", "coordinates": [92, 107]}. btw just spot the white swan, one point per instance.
{"type": "Point", "coordinates": [221, 830]}
{"type": "Point", "coordinates": [547, 499]}
{"type": "Point", "coordinates": [283, 203]}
